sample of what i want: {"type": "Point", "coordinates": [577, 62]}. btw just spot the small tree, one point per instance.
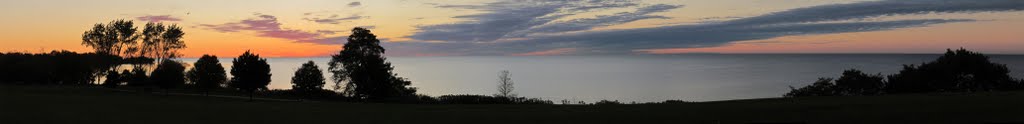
{"type": "Point", "coordinates": [308, 79]}
{"type": "Point", "coordinates": [505, 84]}
{"type": "Point", "coordinates": [250, 73]}
{"type": "Point", "coordinates": [168, 75]}
{"type": "Point", "coordinates": [207, 74]}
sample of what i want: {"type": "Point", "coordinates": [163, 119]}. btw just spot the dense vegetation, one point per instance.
{"type": "Point", "coordinates": [955, 71]}
{"type": "Point", "coordinates": [57, 67]}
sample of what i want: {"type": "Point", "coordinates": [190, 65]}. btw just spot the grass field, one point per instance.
{"type": "Point", "coordinates": [71, 104]}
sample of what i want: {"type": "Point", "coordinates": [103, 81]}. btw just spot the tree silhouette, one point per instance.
{"type": "Point", "coordinates": [207, 74]}
{"type": "Point", "coordinates": [161, 42]}
{"type": "Point", "coordinates": [114, 38]}
{"type": "Point", "coordinates": [955, 71]}
{"type": "Point", "coordinates": [368, 74]}
{"type": "Point", "coordinates": [250, 73]}
{"type": "Point", "coordinates": [505, 84]}
{"type": "Point", "coordinates": [308, 79]}
{"type": "Point", "coordinates": [169, 74]}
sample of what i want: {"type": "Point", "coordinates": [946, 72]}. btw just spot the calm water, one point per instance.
{"type": "Point", "coordinates": [697, 77]}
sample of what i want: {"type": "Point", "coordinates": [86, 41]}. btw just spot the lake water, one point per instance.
{"type": "Point", "coordinates": [640, 78]}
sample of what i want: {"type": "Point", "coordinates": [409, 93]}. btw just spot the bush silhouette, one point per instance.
{"type": "Point", "coordinates": [137, 78]}
{"type": "Point", "coordinates": [113, 79]}
{"type": "Point", "coordinates": [854, 82]}
{"type": "Point", "coordinates": [484, 99]}
{"type": "Point", "coordinates": [169, 74]}
{"type": "Point", "coordinates": [250, 73]}
{"type": "Point", "coordinates": [207, 74]}
{"type": "Point", "coordinates": [822, 87]}
{"type": "Point", "coordinates": [955, 71]}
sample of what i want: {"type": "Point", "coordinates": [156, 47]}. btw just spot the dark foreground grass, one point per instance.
{"type": "Point", "coordinates": [75, 105]}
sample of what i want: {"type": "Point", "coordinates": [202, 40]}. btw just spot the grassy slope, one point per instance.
{"type": "Point", "coordinates": [63, 104]}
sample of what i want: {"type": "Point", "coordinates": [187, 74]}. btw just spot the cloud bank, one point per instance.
{"type": "Point", "coordinates": [158, 18]}
{"type": "Point", "coordinates": [268, 26]}
{"type": "Point", "coordinates": [512, 27]}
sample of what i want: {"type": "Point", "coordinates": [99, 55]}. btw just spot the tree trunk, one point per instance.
{"type": "Point", "coordinates": [251, 94]}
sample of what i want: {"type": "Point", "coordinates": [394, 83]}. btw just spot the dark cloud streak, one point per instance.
{"type": "Point", "coordinates": [823, 19]}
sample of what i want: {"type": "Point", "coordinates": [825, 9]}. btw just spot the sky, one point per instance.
{"type": "Point", "coordinates": [314, 28]}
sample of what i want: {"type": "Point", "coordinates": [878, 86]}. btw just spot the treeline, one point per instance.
{"type": "Point", "coordinates": [56, 67]}
{"type": "Point", "coordinates": [360, 71]}
{"type": "Point", "coordinates": [955, 71]}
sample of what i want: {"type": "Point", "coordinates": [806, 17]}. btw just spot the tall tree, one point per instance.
{"type": "Point", "coordinates": [169, 74]}
{"type": "Point", "coordinates": [250, 73]}
{"type": "Point", "coordinates": [505, 84]}
{"type": "Point", "coordinates": [114, 38]}
{"type": "Point", "coordinates": [160, 41]}
{"type": "Point", "coordinates": [308, 79]}
{"type": "Point", "coordinates": [367, 73]}
{"type": "Point", "coordinates": [207, 74]}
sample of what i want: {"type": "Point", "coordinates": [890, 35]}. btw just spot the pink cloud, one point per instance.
{"type": "Point", "coordinates": [158, 18]}
{"type": "Point", "coordinates": [559, 51]}
{"type": "Point", "coordinates": [268, 26]}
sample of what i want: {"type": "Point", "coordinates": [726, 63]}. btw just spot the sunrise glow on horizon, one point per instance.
{"type": "Point", "coordinates": [317, 28]}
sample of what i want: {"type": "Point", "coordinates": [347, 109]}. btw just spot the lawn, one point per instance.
{"type": "Point", "coordinates": [81, 104]}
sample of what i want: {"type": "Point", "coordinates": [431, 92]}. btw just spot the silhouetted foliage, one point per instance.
{"type": "Point", "coordinates": [955, 71]}
{"type": "Point", "coordinates": [56, 67]}
{"type": "Point", "coordinates": [822, 87]}
{"type": "Point", "coordinates": [160, 41]}
{"type": "Point", "coordinates": [675, 102]}
{"type": "Point", "coordinates": [483, 99]}
{"type": "Point", "coordinates": [114, 38]}
{"type": "Point", "coordinates": [854, 82]}
{"type": "Point", "coordinates": [607, 102]}
{"type": "Point", "coordinates": [113, 79]}
{"type": "Point", "coordinates": [308, 78]}
{"type": "Point", "coordinates": [207, 74]}
{"type": "Point", "coordinates": [137, 78]}
{"type": "Point", "coordinates": [250, 73]}
{"type": "Point", "coordinates": [368, 74]}
{"type": "Point", "coordinates": [169, 74]}
{"type": "Point", "coordinates": [505, 84]}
